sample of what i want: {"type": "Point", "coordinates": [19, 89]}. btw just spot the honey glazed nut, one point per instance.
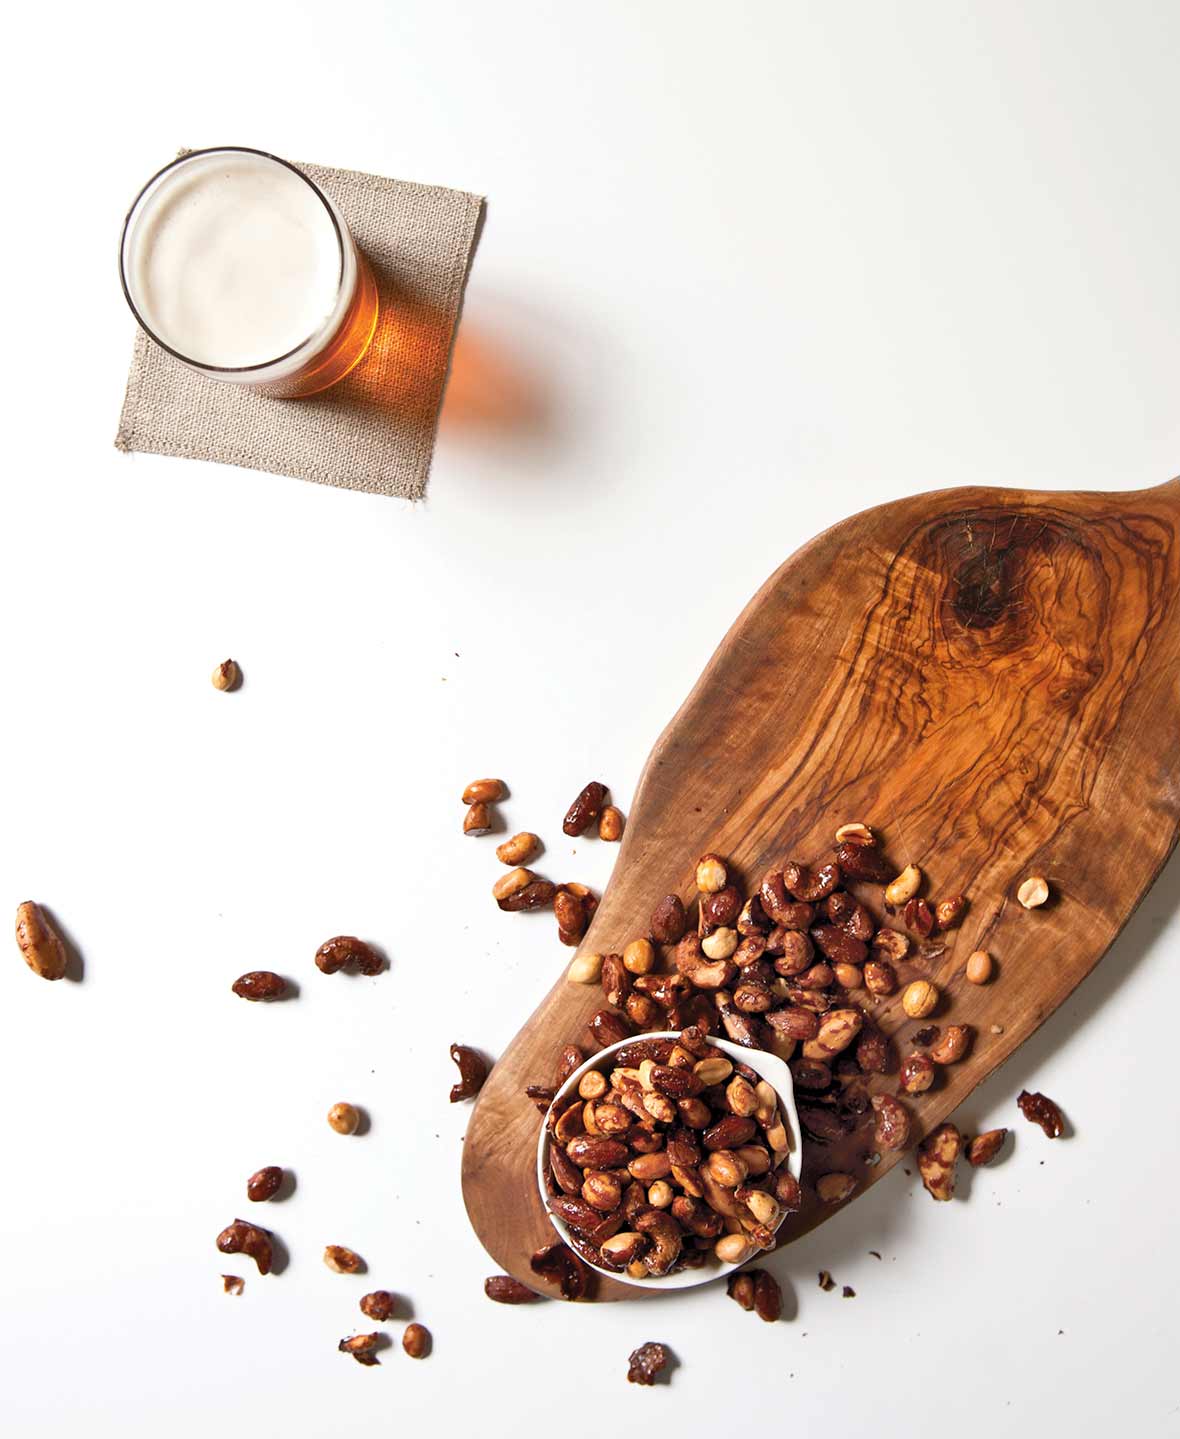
{"type": "Point", "coordinates": [39, 942]}
{"type": "Point", "coordinates": [264, 1184]}
{"type": "Point", "coordinates": [227, 676]}
{"type": "Point", "coordinates": [473, 1070]}
{"type": "Point", "coordinates": [341, 1260]}
{"type": "Point", "coordinates": [477, 820]}
{"type": "Point", "coordinates": [416, 1341]}
{"type": "Point", "coordinates": [518, 850]}
{"type": "Point", "coordinates": [346, 952]}
{"type": "Point", "coordinates": [484, 791]}
{"type": "Point", "coordinates": [920, 999]}
{"type": "Point", "coordinates": [260, 985]}
{"type": "Point", "coordinates": [585, 809]}
{"type": "Point", "coordinates": [378, 1305]}
{"type": "Point", "coordinates": [610, 824]}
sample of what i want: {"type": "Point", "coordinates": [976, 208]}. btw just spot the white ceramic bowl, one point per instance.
{"type": "Point", "coordinates": [769, 1066]}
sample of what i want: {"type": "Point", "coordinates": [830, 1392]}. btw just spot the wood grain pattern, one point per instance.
{"type": "Point", "coordinates": [992, 679]}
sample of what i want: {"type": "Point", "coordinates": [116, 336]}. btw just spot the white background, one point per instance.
{"type": "Point", "coordinates": [746, 269]}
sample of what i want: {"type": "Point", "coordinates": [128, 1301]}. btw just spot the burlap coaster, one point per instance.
{"type": "Point", "coordinates": [373, 431]}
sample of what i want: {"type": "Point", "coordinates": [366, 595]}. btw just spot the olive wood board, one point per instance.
{"type": "Point", "coordinates": [991, 679]}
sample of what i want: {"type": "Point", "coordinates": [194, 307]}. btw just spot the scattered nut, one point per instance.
{"type": "Point", "coordinates": [344, 1118]}
{"type": "Point", "coordinates": [343, 1261]}
{"type": "Point", "coordinates": [232, 1283]}
{"type": "Point", "coordinates": [733, 1248]}
{"type": "Point", "coordinates": [955, 1041]}
{"type": "Point", "coordinates": [260, 984]}
{"type": "Point", "coordinates": [512, 883]}
{"type": "Point", "coordinates": [984, 1147]}
{"type": "Point", "coordinates": [890, 944]}
{"type": "Point", "coordinates": [345, 951]}
{"type": "Point", "coordinates": [518, 850]}
{"type": "Point", "coordinates": [1033, 892]}
{"type": "Point", "coordinates": [416, 1341]}
{"type": "Point", "coordinates": [919, 917]}
{"type": "Point", "coordinates": [937, 1156]}
{"type": "Point", "coordinates": [362, 1347]}
{"type": "Point", "coordinates": [848, 976]}
{"type": "Point", "coordinates": [585, 968]}
{"type": "Point", "coordinates": [711, 874]}
{"type": "Point", "coordinates": [1040, 1109]}
{"type": "Point", "coordinates": [503, 1289]}
{"type": "Point", "coordinates": [880, 977]}
{"type": "Point", "coordinates": [610, 824]}
{"type": "Point", "coordinates": [668, 920]}
{"type": "Point", "coordinates": [949, 912]}
{"type": "Point", "coordinates": [639, 957]}
{"type": "Point", "coordinates": [979, 967]}
{"type": "Point", "coordinates": [741, 1288]}
{"type": "Point", "coordinates": [917, 1073]}
{"type": "Point", "coordinates": [473, 1070]}
{"type": "Point", "coordinates": [893, 1122]}
{"type": "Point", "coordinates": [920, 999]}
{"type": "Point", "coordinates": [904, 887]}
{"type": "Point", "coordinates": [43, 948]}
{"type": "Point", "coordinates": [484, 791]}
{"type": "Point", "coordinates": [834, 1188]}
{"type": "Point", "coordinates": [242, 1237]}
{"type": "Point", "coordinates": [826, 1282]}
{"type": "Point", "coordinates": [768, 1297]}
{"type": "Point", "coordinates": [477, 820]}
{"type": "Point", "coordinates": [264, 1184]}
{"type": "Point", "coordinates": [645, 1363]}
{"type": "Point", "coordinates": [855, 833]}
{"type": "Point", "coordinates": [227, 675]}
{"type": "Point", "coordinates": [535, 894]}
{"type": "Point", "coordinates": [561, 1266]}
{"type": "Point", "coordinates": [585, 809]}
{"type": "Point", "coordinates": [378, 1305]}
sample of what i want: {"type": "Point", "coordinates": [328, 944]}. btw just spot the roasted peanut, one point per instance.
{"type": "Point", "coordinates": [362, 1347]}
{"type": "Point", "coordinates": [880, 977]}
{"type": "Point", "coordinates": [643, 1011]}
{"type": "Point", "coordinates": [484, 791]}
{"type": "Point", "coordinates": [379, 1305]}
{"type": "Point", "coordinates": [648, 1167]}
{"type": "Point", "coordinates": [512, 883]}
{"type": "Point", "coordinates": [569, 912]}
{"type": "Point", "coordinates": [893, 1122]}
{"type": "Point", "coordinates": [1040, 1109]}
{"type": "Point", "coordinates": [1033, 892]}
{"type": "Point", "coordinates": [43, 948]}
{"type": "Point", "coordinates": [592, 1084]}
{"type": "Point", "coordinates": [660, 1107]}
{"type": "Point", "coordinates": [727, 1168]}
{"type": "Point", "coordinates": [920, 999]}
{"type": "Point", "coordinates": [855, 833]}
{"type": "Point", "coordinates": [834, 1188]}
{"type": "Point", "coordinates": [477, 820]}
{"type": "Point", "coordinates": [979, 967]}
{"type": "Point", "coordinates": [917, 1073]}
{"type": "Point", "coordinates": [847, 976]}
{"type": "Point", "coordinates": [755, 1158]}
{"type": "Point", "coordinates": [260, 984]}
{"type": "Point", "coordinates": [241, 1237]}
{"type": "Point", "coordinates": [984, 1147]}
{"type": "Point", "coordinates": [602, 1191]}
{"type": "Point", "coordinates": [937, 1156]}
{"type": "Point", "coordinates": [473, 1070]}
{"type": "Point", "coordinates": [585, 809]}
{"type": "Point", "coordinates": [668, 920]}
{"type": "Point", "coordinates": [341, 1260]}
{"type": "Point", "coordinates": [610, 824]}
{"type": "Point", "coordinates": [503, 1289]}
{"type": "Point", "coordinates": [953, 1045]}
{"type": "Point", "coordinates": [949, 912]}
{"type": "Point", "coordinates": [264, 1183]}
{"type": "Point", "coordinates": [890, 944]}
{"type": "Point", "coordinates": [740, 1096]}
{"type": "Point", "coordinates": [837, 1029]}
{"type": "Point", "coordinates": [904, 887]}
{"type": "Point", "coordinates": [344, 1118]}
{"type": "Point", "coordinates": [416, 1341]}
{"type": "Point", "coordinates": [720, 944]}
{"type": "Point", "coordinates": [694, 1112]}
{"type": "Point", "coordinates": [639, 956]}
{"type": "Point", "coordinates": [585, 968]}
{"type": "Point", "coordinates": [518, 850]}
{"type": "Point", "coordinates": [227, 675]}
{"type": "Point", "coordinates": [345, 951]}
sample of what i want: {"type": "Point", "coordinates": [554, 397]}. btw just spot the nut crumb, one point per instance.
{"type": "Point", "coordinates": [997, 1029]}
{"type": "Point", "coordinates": [826, 1281]}
{"type": "Point", "coordinates": [362, 1347]}
{"type": "Point", "coordinates": [232, 1283]}
{"type": "Point", "coordinates": [849, 1292]}
{"type": "Point", "coordinates": [874, 1253]}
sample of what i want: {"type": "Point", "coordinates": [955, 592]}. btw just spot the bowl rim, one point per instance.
{"type": "Point", "coordinates": [769, 1066]}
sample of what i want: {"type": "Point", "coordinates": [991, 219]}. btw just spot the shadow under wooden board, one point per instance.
{"type": "Point", "coordinates": [991, 679]}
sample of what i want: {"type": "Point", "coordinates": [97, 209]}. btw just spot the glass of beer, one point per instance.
{"type": "Point", "coordinates": [240, 266]}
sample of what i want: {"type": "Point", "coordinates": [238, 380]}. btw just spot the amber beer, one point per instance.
{"type": "Point", "coordinates": [240, 266]}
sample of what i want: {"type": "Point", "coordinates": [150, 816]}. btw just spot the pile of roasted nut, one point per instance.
{"type": "Point", "coordinates": [671, 1153]}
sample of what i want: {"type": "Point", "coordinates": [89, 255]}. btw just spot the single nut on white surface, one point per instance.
{"type": "Point", "coordinates": [1033, 892]}
{"type": "Point", "coordinates": [43, 948]}
{"type": "Point", "coordinates": [344, 1118]}
{"type": "Point", "coordinates": [227, 675]}
{"type": "Point", "coordinates": [905, 886]}
{"type": "Point", "coordinates": [720, 944]}
{"type": "Point", "coordinates": [585, 969]}
{"type": "Point", "coordinates": [711, 873]}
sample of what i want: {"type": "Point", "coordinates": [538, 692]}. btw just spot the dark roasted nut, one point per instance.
{"type": "Point", "coordinates": [682, 1148]}
{"type": "Point", "coordinates": [477, 820]}
{"type": "Point", "coordinates": [847, 913]}
{"type": "Point", "coordinates": [919, 917]}
{"type": "Point", "coordinates": [260, 984]}
{"type": "Point", "coordinates": [984, 1147]}
{"type": "Point", "coordinates": [570, 913]}
{"type": "Point", "coordinates": [616, 981]}
{"type": "Point", "coordinates": [823, 1124]}
{"type": "Point", "coordinates": [607, 1028]}
{"type": "Point", "coordinates": [741, 1288]}
{"type": "Point", "coordinates": [242, 1237]}
{"type": "Point", "coordinates": [819, 976]}
{"type": "Point", "coordinates": [362, 1347]}
{"type": "Point", "coordinates": [666, 1238]}
{"type": "Point", "coordinates": [954, 1044]}
{"type": "Point", "coordinates": [917, 1073]}
{"type": "Point", "coordinates": [893, 1122]}
{"type": "Point", "coordinates": [264, 1184]}
{"type": "Point", "coordinates": [773, 896]}
{"type": "Point", "coordinates": [473, 1070]}
{"type": "Point", "coordinates": [1040, 1109]}
{"type": "Point", "coordinates": [937, 1156]}
{"type": "Point", "coordinates": [949, 912]}
{"type": "Point", "coordinates": [378, 1305]}
{"type": "Point", "coordinates": [589, 1151]}
{"type": "Point", "coordinates": [585, 809]}
{"type": "Point", "coordinates": [694, 1112]}
{"type": "Point", "coordinates": [787, 1191]}
{"type": "Point", "coordinates": [651, 1166]}
{"type": "Point", "coordinates": [693, 966]}
{"type": "Point", "coordinates": [794, 1022]}
{"type": "Point", "coordinates": [826, 1282]}
{"type": "Point", "coordinates": [602, 1191]}
{"type": "Point", "coordinates": [723, 907]}
{"type": "Point", "coordinates": [484, 791]}
{"type": "Point", "coordinates": [44, 949]}
{"type": "Point", "coordinates": [232, 1284]}
{"type": "Point", "coordinates": [794, 950]}
{"type": "Point", "coordinates": [729, 1132]}
{"type": "Point", "coordinates": [644, 1012]}
{"type": "Point", "coordinates": [810, 884]}
{"type": "Point", "coordinates": [645, 1363]}
{"type": "Point", "coordinates": [610, 824]}
{"type": "Point", "coordinates": [542, 1095]}
{"type": "Point", "coordinates": [347, 952]}
{"type": "Point", "coordinates": [561, 1266]}
{"type": "Point", "coordinates": [676, 1081]}
{"type": "Point", "coordinates": [837, 1029]}
{"type": "Point", "coordinates": [750, 950]}
{"type": "Point", "coordinates": [811, 1074]}
{"type": "Point", "coordinates": [817, 1000]}
{"type": "Point", "coordinates": [620, 1250]}
{"type": "Point", "coordinates": [742, 1028]}
{"type": "Point", "coordinates": [696, 1217]}
{"type": "Point", "coordinates": [880, 977]}
{"type": "Point", "coordinates": [753, 998]}
{"type": "Point", "coordinates": [668, 920]}
{"type": "Point", "coordinates": [416, 1341]}
{"type": "Point", "coordinates": [584, 1218]}
{"type": "Point", "coordinates": [890, 944]}
{"type": "Point", "coordinates": [564, 1170]}
{"type": "Point", "coordinates": [753, 918]}
{"type": "Point", "coordinates": [566, 1120]}
{"type": "Point", "coordinates": [342, 1260]}
{"type": "Point", "coordinates": [503, 1289]}
{"type": "Point", "coordinates": [585, 894]}
{"type": "Point", "coordinates": [632, 1055]}
{"type": "Point", "coordinates": [863, 862]}
{"type": "Point", "coordinates": [537, 894]}
{"type": "Point", "coordinates": [838, 946]}
{"type": "Point", "coordinates": [768, 1298]}
{"type": "Point", "coordinates": [872, 1051]}
{"type": "Point", "coordinates": [567, 1061]}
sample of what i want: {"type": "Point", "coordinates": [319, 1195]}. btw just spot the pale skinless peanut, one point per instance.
{"type": "Point", "coordinates": [905, 886]}
{"type": "Point", "coordinates": [639, 957]}
{"type": "Point", "coordinates": [721, 943]}
{"type": "Point", "coordinates": [711, 874]}
{"type": "Point", "coordinates": [592, 1085]}
{"type": "Point", "coordinates": [512, 883]}
{"type": "Point", "coordinates": [848, 976]}
{"type": "Point", "coordinates": [727, 1168]}
{"type": "Point", "coordinates": [483, 791]}
{"type": "Point", "coordinates": [854, 833]}
{"type": "Point", "coordinates": [755, 1158]}
{"type": "Point", "coordinates": [610, 824]}
{"type": "Point", "coordinates": [740, 1096]}
{"type": "Point", "coordinates": [920, 999]}
{"type": "Point", "coordinates": [733, 1248]}
{"type": "Point", "coordinates": [776, 1136]}
{"type": "Point", "coordinates": [1033, 892]}
{"type": "Point", "coordinates": [518, 849]}
{"type": "Point", "coordinates": [660, 1195]}
{"type": "Point", "coordinates": [979, 967]}
{"type": "Point", "coordinates": [714, 1070]}
{"type": "Point", "coordinates": [585, 969]}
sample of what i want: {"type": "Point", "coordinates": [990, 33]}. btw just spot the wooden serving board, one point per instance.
{"type": "Point", "coordinates": [991, 679]}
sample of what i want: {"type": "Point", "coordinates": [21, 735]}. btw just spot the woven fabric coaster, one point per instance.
{"type": "Point", "coordinates": [373, 431]}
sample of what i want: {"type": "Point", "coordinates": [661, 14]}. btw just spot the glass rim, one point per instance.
{"type": "Point", "coordinates": [182, 160]}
